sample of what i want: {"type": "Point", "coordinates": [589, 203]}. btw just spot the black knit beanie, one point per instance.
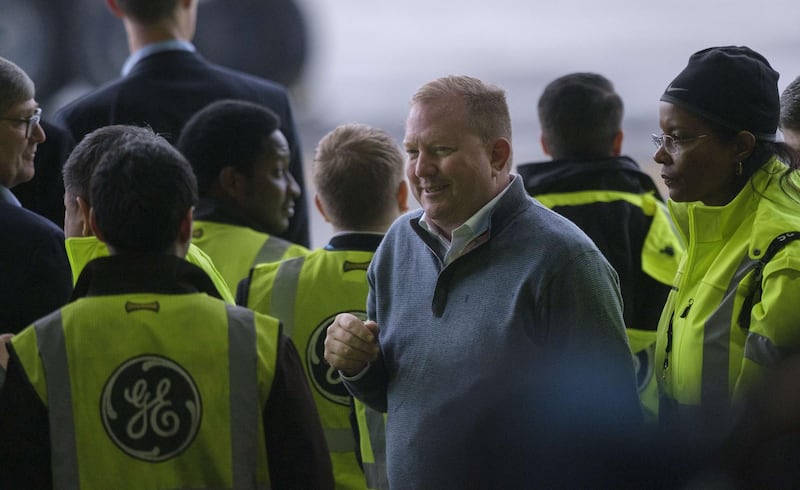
{"type": "Point", "coordinates": [732, 86]}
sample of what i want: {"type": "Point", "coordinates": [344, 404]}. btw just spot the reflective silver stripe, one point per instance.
{"type": "Point", "coordinates": [340, 440]}
{"type": "Point", "coordinates": [761, 350]}
{"type": "Point", "coordinates": [284, 292]}
{"type": "Point", "coordinates": [63, 444]}
{"type": "Point", "coordinates": [375, 473]}
{"type": "Point", "coordinates": [244, 406]}
{"type": "Point", "coordinates": [271, 251]}
{"type": "Point", "coordinates": [714, 388]}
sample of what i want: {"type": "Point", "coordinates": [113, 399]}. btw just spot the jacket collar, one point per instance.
{"type": "Point", "coordinates": [124, 274]}
{"type": "Point", "coordinates": [714, 223]}
{"type": "Point", "coordinates": [155, 48]}
{"type": "Point", "coordinates": [568, 175]}
{"type": "Point", "coordinates": [366, 242]}
{"type": "Point", "coordinates": [208, 209]}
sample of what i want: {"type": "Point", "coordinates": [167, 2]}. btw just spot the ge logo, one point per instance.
{"type": "Point", "coordinates": [326, 379]}
{"type": "Point", "coordinates": [151, 408]}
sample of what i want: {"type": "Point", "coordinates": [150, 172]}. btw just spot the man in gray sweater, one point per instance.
{"type": "Point", "coordinates": [501, 356]}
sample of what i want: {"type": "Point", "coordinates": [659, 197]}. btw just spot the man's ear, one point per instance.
{"type": "Point", "coordinates": [616, 146]}
{"type": "Point", "coordinates": [321, 208]}
{"type": "Point", "coordinates": [501, 153]}
{"type": "Point", "coordinates": [185, 230]}
{"type": "Point", "coordinates": [85, 213]}
{"type": "Point", "coordinates": [402, 196]}
{"type": "Point", "coordinates": [230, 182]}
{"type": "Point", "coordinates": [94, 229]}
{"type": "Point", "coordinates": [543, 142]}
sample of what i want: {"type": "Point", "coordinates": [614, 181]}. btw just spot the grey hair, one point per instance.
{"type": "Point", "coordinates": [15, 85]}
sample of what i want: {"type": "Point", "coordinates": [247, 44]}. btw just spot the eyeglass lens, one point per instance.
{"type": "Point", "coordinates": [33, 121]}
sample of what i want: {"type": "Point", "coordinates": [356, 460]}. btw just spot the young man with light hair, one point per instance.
{"type": "Point", "coordinates": [358, 174]}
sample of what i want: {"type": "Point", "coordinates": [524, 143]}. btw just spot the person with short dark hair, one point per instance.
{"type": "Point", "coordinates": [247, 194]}
{"type": "Point", "coordinates": [147, 379]}
{"type": "Point", "coordinates": [609, 197]}
{"type": "Point", "coordinates": [734, 195]}
{"type": "Point", "coordinates": [82, 246]}
{"type": "Point", "coordinates": [33, 263]}
{"type": "Point", "coordinates": [790, 114]}
{"type": "Point", "coordinates": [165, 81]}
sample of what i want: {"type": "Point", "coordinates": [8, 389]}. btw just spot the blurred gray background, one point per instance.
{"type": "Point", "coordinates": [360, 61]}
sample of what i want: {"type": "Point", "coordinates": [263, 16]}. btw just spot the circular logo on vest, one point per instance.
{"type": "Point", "coordinates": [151, 408]}
{"type": "Point", "coordinates": [325, 378]}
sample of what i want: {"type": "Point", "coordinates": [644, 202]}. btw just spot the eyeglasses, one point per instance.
{"type": "Point", "coordinates": [30, 122]}
{"type": "Point", "coordinates": [672, 144]}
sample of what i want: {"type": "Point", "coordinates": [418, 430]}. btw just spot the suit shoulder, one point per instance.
{"type": "Point", "coordinates": [26, 224]}
{"type": "Point", "coordinates": [263, 84]}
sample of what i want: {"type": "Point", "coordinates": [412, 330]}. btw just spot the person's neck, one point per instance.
{"type": "Point", "coordinates": [140, 36]}
{"type": "Point", "coordinates": [361, 229]}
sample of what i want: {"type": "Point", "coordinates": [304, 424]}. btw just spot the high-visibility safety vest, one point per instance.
{"type": "Point", "coordinates": [81, 250]}
{"type": "Point", "coordinates": [372, 443]}
{"type": "Point", "coordinates": [235, 249]}
{"type": "Point", "coordinates": [706, 359]}
{"type": "Point", "coordinates": [306, 293]}
{"type": "Point", "coordinates": [153, 391]}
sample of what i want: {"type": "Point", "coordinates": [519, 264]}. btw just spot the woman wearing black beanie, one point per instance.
{"type": "Point", "coordinates": [734, 312]}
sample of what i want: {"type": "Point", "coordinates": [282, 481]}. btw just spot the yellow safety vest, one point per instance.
{"type": "Point", "coordinates": [153, 391]}
{"type": "Point", "coordinates": [306, 293]}
{"type": "Point", "coordinates": [81, 250]}
{"type": "Point", "coordinates": [372, 433]}
{"type": "Point", "coordinates": [235, 249]}
{"type": "Point", "coordinates": [704, 358]}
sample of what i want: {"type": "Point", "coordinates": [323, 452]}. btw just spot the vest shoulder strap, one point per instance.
{"type": "Point", "coordinates": [755, 295]}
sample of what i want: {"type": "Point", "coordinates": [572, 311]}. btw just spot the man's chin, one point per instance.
{"type": "Point", "coordinates": [23, 177]}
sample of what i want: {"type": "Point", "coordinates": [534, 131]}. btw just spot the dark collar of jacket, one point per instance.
{"type": "Point", "coordinates": [612, 173]}
{"type": "Point", "coordinates": [160, 274]}
{"type": "Point", "coordinates": [172, 57]}
{"type": "Point", "coordinates": [208, 209]}
{"type": "Point", "coordinates": [365, 242]}
{"type": "Point", "coordinates": [513, 202]}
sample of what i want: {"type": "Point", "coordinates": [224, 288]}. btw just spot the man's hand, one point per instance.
{"type": "Point", "coordinates": [351, 344]}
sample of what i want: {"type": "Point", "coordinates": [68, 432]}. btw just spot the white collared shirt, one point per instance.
{"type": "Point", "coordinates": [464, 235]}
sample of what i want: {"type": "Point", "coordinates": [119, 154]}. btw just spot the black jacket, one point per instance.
{"type": "Point", "coordinates": [165, 89]}
{"type": "Point", "coordinates": [35, 276]}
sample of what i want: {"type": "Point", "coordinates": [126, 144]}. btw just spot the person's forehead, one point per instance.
{"type": "Point", "coordinates": [19, 107]}
{"type": "Point", "coordinates": [274, 151]}
{"type": "Point", "coordinates": [435, 118]}
{"type": "Point", "coordinates": [675, 115]}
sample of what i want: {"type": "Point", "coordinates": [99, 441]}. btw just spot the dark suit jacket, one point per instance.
{"type": "Point", "coordinates": [35, 276]}
{"type": "Point", "coordinates": [165, 89]}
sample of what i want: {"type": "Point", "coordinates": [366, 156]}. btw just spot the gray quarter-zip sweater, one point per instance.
{"type": "Point", "coordinates": [486, 363]}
